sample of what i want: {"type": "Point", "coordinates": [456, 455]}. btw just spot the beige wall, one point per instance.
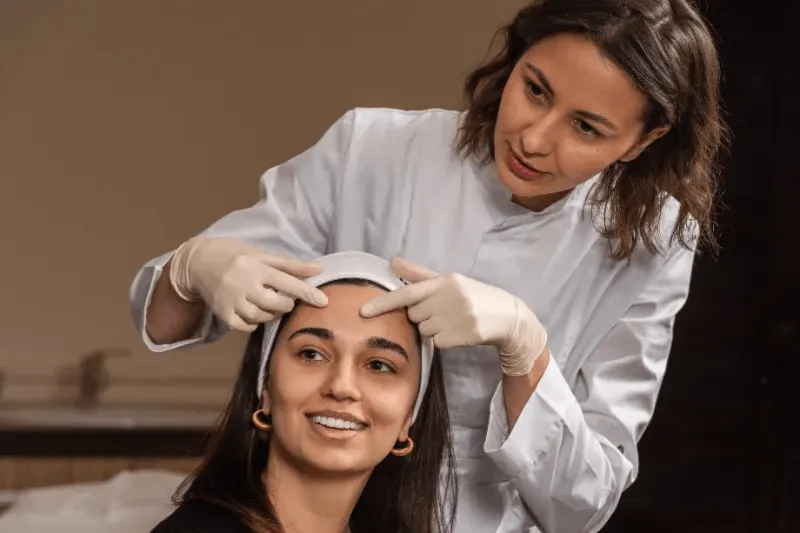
{"type": "Point", "coordinates": [128, 126]}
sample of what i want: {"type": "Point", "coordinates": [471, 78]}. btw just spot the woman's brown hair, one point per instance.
{"type": "Point", "coordinates": [411, 494]}
{"type": "Point", "coordinates": [668, 51]}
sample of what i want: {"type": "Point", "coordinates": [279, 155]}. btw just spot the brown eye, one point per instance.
{"type": "Point", "coordinates": [310, 355]}
{"type": "Point", "coordinates": [534, 89]}
{"type": "Point", "coordinates": [380, 367]}
{"type": "Point", "coordinates": [586, 129]}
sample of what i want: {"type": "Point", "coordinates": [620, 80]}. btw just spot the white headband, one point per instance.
{"type": "Point", "coordinates": [352, 265]}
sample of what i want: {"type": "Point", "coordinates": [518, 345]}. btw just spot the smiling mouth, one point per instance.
{"type": "Point", "coordinates": [336, 423]}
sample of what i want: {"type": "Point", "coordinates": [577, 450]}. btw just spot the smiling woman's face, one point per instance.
{"type": "Point", "coordinates": [341, 388]}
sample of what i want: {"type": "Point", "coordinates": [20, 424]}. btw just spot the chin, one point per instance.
{"type": "Point", "coordinates": [519, 187]}
{"type": "Point", "coordinates": [331, 462]}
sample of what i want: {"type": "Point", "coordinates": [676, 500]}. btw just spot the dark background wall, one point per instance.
{"type": "Point", "coordinates": [723, 453]}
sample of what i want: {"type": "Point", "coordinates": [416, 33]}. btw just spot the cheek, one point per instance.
{"type": "Point", "coordinates": [287, 395]}
{"type": "Point", "coordinates": [514, 108]}
{"type": "Point", "coordinates": [580, 160]}
{"type": "Point", "coordinates": [579, 157]}
{"type": "Point", "coordinates": [391, 403]}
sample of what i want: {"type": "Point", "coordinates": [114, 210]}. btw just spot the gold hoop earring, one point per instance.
{"type": "Point", "coordinates": [262, 420]}
{"type": "Point", "coordinates": [405, 450]}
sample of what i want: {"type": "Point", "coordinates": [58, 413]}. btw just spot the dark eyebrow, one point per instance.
{"type": "Point", "coordinates": [598, 118]}
{"type": "Point", "coordinates": [594, 117]}
{"type": "Point", "coordinates": [322, 333]}
{"type": "Point", "coordinates": [386, 344]}
{"type": "Point", "coordinates": [372, 342]}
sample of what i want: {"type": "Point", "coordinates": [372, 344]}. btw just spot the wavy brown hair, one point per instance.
{"type": "Point", "coordinates": [411, 494]}
{"type": "Point", "coordinates": [668, 51]}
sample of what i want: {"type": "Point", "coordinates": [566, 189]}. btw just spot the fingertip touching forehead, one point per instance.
{"type": "Point", "coordinates": [364, 270]}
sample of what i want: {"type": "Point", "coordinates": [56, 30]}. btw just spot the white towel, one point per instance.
{"type": "Point", "coordinates": [130, 502]}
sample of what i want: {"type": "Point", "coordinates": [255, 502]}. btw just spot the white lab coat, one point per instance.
{"type": "Point", "coordinates": [388, 182]}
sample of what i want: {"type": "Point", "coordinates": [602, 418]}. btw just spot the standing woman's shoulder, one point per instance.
{"type": "Point", "coordinates": [392, 132]}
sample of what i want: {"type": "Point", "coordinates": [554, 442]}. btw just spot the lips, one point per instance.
{"type": "Point", "coordinates": [521, 169]}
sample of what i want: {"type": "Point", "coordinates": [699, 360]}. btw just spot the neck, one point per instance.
{"type": "Point", "coordinates": [308, 501]}
{"type": "Point", "coordinates": [540, 203]}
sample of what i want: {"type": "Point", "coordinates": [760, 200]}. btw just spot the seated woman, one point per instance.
{"type": "Point", "coordinates": [337, 423]}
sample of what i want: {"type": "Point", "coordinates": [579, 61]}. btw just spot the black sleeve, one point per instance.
{"type": "Point", "coordinates": [200, 517]}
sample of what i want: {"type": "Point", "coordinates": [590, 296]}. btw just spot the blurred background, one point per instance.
{"type": "Point", "coordinates": [126, 127]}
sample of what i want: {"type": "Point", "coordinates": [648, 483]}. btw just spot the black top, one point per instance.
{"type": "Point", "coordinates": [201, 517]}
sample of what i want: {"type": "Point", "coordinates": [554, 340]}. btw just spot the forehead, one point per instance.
{"type": "Point", "coordinates": [342, 317]}
{"type": "Point", "coordinates": [584, 79]}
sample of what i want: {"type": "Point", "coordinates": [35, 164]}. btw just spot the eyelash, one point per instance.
{"type": "Point", "coordinates": [593, 133]}
{"type": "Point", "coordinates": [302, 354]}
{"type": "Point", "coordinates": [388, 367]}
{"type": "Point", "coordinates": [536, 92]}
{"type": "Point", "coordinates": [384, 367]}
{"type": "Point", "coordinates": [533, 89]}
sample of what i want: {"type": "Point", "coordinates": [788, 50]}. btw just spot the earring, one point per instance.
{"type": "Point", "coordinates": [405, 450]}
{"type": "Point", "coordinates": [262, 420]}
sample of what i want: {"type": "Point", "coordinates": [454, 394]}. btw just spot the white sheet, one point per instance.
{"type": "Point", "coordinates": [130, 502]}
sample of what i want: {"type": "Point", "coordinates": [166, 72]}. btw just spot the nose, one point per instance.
{"type": "Point", "coordinates": [343, 382]}
{"type": "Point", "coordinates": [538, 138]}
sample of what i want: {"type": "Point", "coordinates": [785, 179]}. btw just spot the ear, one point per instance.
{"type": "Point", "coordinates": [405, 428]}
{"type": "Point", "coordinates": [646, 140]}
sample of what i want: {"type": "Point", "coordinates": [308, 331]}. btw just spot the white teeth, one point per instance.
{"type": "Point", "coordinates": [336, 423]}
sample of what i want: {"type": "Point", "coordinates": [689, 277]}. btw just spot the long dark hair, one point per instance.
{"type": "Point", "coordinates": [668, 50]}
{"type": "Point", "coordinates": [411, 494]}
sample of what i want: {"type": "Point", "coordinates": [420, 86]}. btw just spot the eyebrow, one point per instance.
{"type": "Point", "coordinates": [385, 344]}
{"type": "Point", "coordinates": [594, 117]}
{"type": "Point", "coordinates": [380, 343]}
{"type": "Point", "coordinates": [322, 333]}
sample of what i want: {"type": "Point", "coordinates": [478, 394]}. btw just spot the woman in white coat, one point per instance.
{"type": "Point", "coordinates": [548, 232]}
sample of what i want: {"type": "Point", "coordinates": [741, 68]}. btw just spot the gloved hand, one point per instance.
{"type": "Point", "coordinates": [242, 285]}
{"type": "Point", "coordinates": [459, 311]}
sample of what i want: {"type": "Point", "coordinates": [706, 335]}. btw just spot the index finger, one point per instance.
{"type": "Point", "coordinates": [403, 297]}
{"type": "Point", "coordinates": [294, 287]}
{"type": "Point", "coordinates": [290, 265]}
{"type": "Point", "coordinates": [411, 271]}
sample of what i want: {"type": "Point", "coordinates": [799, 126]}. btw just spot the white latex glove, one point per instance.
{"type": "Point", "coordinates": [459, 311]}
{"type": "Point", "coordinates": [242, 285]}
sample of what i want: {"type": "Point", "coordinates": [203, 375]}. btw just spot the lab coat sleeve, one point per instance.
{"type": "Point", "coordinates": [571, 455]}
{"type": "Point", "coordinates": [292, 217]}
